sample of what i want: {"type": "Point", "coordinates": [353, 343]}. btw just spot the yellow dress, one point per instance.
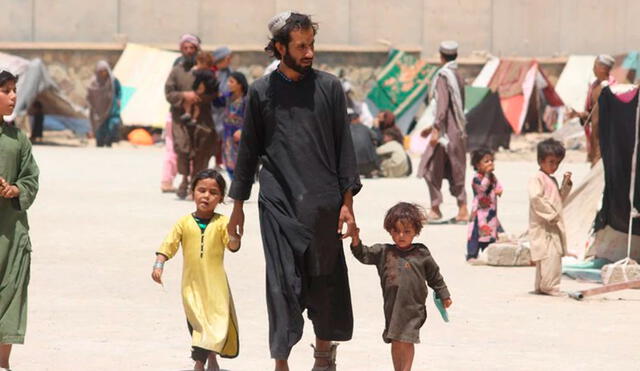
{"type": "Point", "coordinates": [206, 295]}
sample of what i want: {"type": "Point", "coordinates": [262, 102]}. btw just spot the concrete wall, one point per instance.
{"type": "Point", "coordinates": [502, 27]}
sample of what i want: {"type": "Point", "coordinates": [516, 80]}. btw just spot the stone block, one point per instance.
{"type": "Point", "coordinates": [616, 273]}
{"type": "Point", "coordinates": [507, 254]}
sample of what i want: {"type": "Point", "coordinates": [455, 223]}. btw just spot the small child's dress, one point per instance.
{"type": "Point", "coordinates": [484, 225]}
{"type": "Point", "coordinates": [206, 295]}
{"type": "Point", "coordinates": [402, 277]}
{"type": "Point", "coordinates": [232, 120]}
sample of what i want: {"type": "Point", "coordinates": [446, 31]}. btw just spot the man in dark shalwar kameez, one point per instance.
{"type": "Point", "coordinates": [445, 155]}
{"type": "Point", "coordinates": [296, 126]}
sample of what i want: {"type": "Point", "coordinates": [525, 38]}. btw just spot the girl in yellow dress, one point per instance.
{"type": "Point", "coordinates": [206, 295]}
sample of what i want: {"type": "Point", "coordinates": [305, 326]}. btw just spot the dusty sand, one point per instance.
{"type": "Point", "coordinates": [100, 216]}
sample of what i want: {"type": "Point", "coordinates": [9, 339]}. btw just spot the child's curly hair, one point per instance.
{"type": "Point", "coordinates": [407, 213]}
{"type": "Point", "coordinates": [478, 155]}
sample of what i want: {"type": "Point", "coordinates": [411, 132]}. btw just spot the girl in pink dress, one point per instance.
{"type": "Point", "coordinates": [484, 225]}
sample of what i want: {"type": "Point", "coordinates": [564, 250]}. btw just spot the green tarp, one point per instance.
{"type": "Point", "coordinates": [472, 96]}
{"type": "Point", "coordinates": [401, 86]}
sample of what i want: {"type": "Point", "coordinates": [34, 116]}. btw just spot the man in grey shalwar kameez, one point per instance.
{"type": "Point", "coordinates": [445, 155]}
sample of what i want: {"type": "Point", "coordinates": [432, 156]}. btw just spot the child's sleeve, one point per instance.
{"type": "Point", "coordinates": [540, 204]}
{"type": "Point", "coordinates": [28, 174]}
{"type": "Point", "coordinates": [367, 254]}
{"type": "Point", "coordinates": [499, 188]}
{"type": "Point", "coordinates": [435, 279]}
{"type": "Point", "coordinates": [480, 186]}
{"type": "Point", "coordinates": [171, 243]}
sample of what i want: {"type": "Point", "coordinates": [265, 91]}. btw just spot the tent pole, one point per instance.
{"type": "Point", "coordinates": [633, 213]}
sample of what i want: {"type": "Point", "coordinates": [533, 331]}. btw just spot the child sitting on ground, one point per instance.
{"type": "Point", "coordinates": [205, 83]}
{"type": "Point", "coordinates": [394, 162]}
{"type": "Point", "coordinates": [403, 268]}
{"type": "Point", "coordinates": [546, 226]}
{"type": "Point", "coordinates": [484, 225]}
{"type": "Point", "coordinates": [206, 296]}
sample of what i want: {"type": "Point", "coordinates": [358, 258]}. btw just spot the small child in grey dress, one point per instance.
{"type": "Point", "coordinates": [403, 267]}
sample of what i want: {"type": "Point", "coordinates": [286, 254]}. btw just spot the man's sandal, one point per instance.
{"type": "Point", "coordinates": [329, 356]}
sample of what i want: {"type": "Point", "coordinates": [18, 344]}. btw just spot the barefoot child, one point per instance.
{"type": "Point", "coordinates": [403, 268]}
{"type": "Point", "coordinates": [484, 225]}
{"type": "Point", "coordinates": [18, 188]}
{"type": "Point", "coordinates": [546, 227]}
{"type": "Point", "coordinates": [206, 296]}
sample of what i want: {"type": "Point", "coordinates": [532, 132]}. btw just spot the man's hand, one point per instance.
{"type": "Point", "coordinates": [190, 97]}
{"type": "Point", "coordinates": [425, 133]}
{"type": "Point", "coordinates": [435, 135]}
{"type": "Point", "coordinates": [346, 216]}
{"type": "Point", "coordinates": [235, 228]}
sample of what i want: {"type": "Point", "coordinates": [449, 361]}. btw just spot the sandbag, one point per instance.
{"type": "Point", "coordinates": [616, 273]}
{"type": "Point", "coordinates": [509, 254]}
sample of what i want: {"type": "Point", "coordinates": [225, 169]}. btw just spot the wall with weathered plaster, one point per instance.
{"type": "Point", "coordinates": [502, 27]}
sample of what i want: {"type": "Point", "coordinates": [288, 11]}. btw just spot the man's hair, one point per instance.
{"type": "Point", "coordinates": [295, 22]}
{"type": "Point", "coordinates": [478, 155]}
{"type": "Point", "coordinates": [449, 57]}
{"type": "Point", "coordinates": [210, 174]}
{"type": "Point", "coordinates": [405, 212]}
{"type": "Point", "coordinates": [550, 147]}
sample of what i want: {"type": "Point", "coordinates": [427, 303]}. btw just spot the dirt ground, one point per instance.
{"type": "Point", "coordinates": [100, 216]}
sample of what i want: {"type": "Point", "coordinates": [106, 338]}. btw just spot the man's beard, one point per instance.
{"type": "Point", "coordinates": [188, 61]}
{"type": "Point", "coordinates": [291, 63]}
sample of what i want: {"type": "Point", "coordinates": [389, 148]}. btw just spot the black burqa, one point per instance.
{"type": "Point", "coordinates": [299, 132]}
{"type": "Point", "coordinates": [617, 140]}
{"type": "Point", "coordinates": [487, 127]}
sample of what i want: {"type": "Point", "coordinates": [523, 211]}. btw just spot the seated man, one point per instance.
{"type": "Point", "coordinates": [363, 143]}
{"type": "Point", "coordinates": [394, 160]}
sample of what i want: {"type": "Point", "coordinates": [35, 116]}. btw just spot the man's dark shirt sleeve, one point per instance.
{"type": "Point", "coordinates": [348, 177]}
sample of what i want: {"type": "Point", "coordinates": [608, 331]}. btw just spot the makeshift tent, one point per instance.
{"type": "Point", "coordinates": [487, 127]}
{"type": "Point", "coordinates": [35, 84]}
{"type": "Point", "coordinates": [401, 87]}
{"type": "Point", "coordinates": [524, 91]}
{"type": "Point", "coordinates": [142, 72]}
{"type": "Point", "coordinates": [625, 70]}
{"type": "Point", "coordinates": [573, 83]}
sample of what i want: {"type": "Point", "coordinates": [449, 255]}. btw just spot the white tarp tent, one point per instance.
{"type": "Point", "coordinates": [573, 83]}
{"type": "Point", "coordinates": [142, 71]}
{"type": "Point", "coordinates": [35, 84]}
